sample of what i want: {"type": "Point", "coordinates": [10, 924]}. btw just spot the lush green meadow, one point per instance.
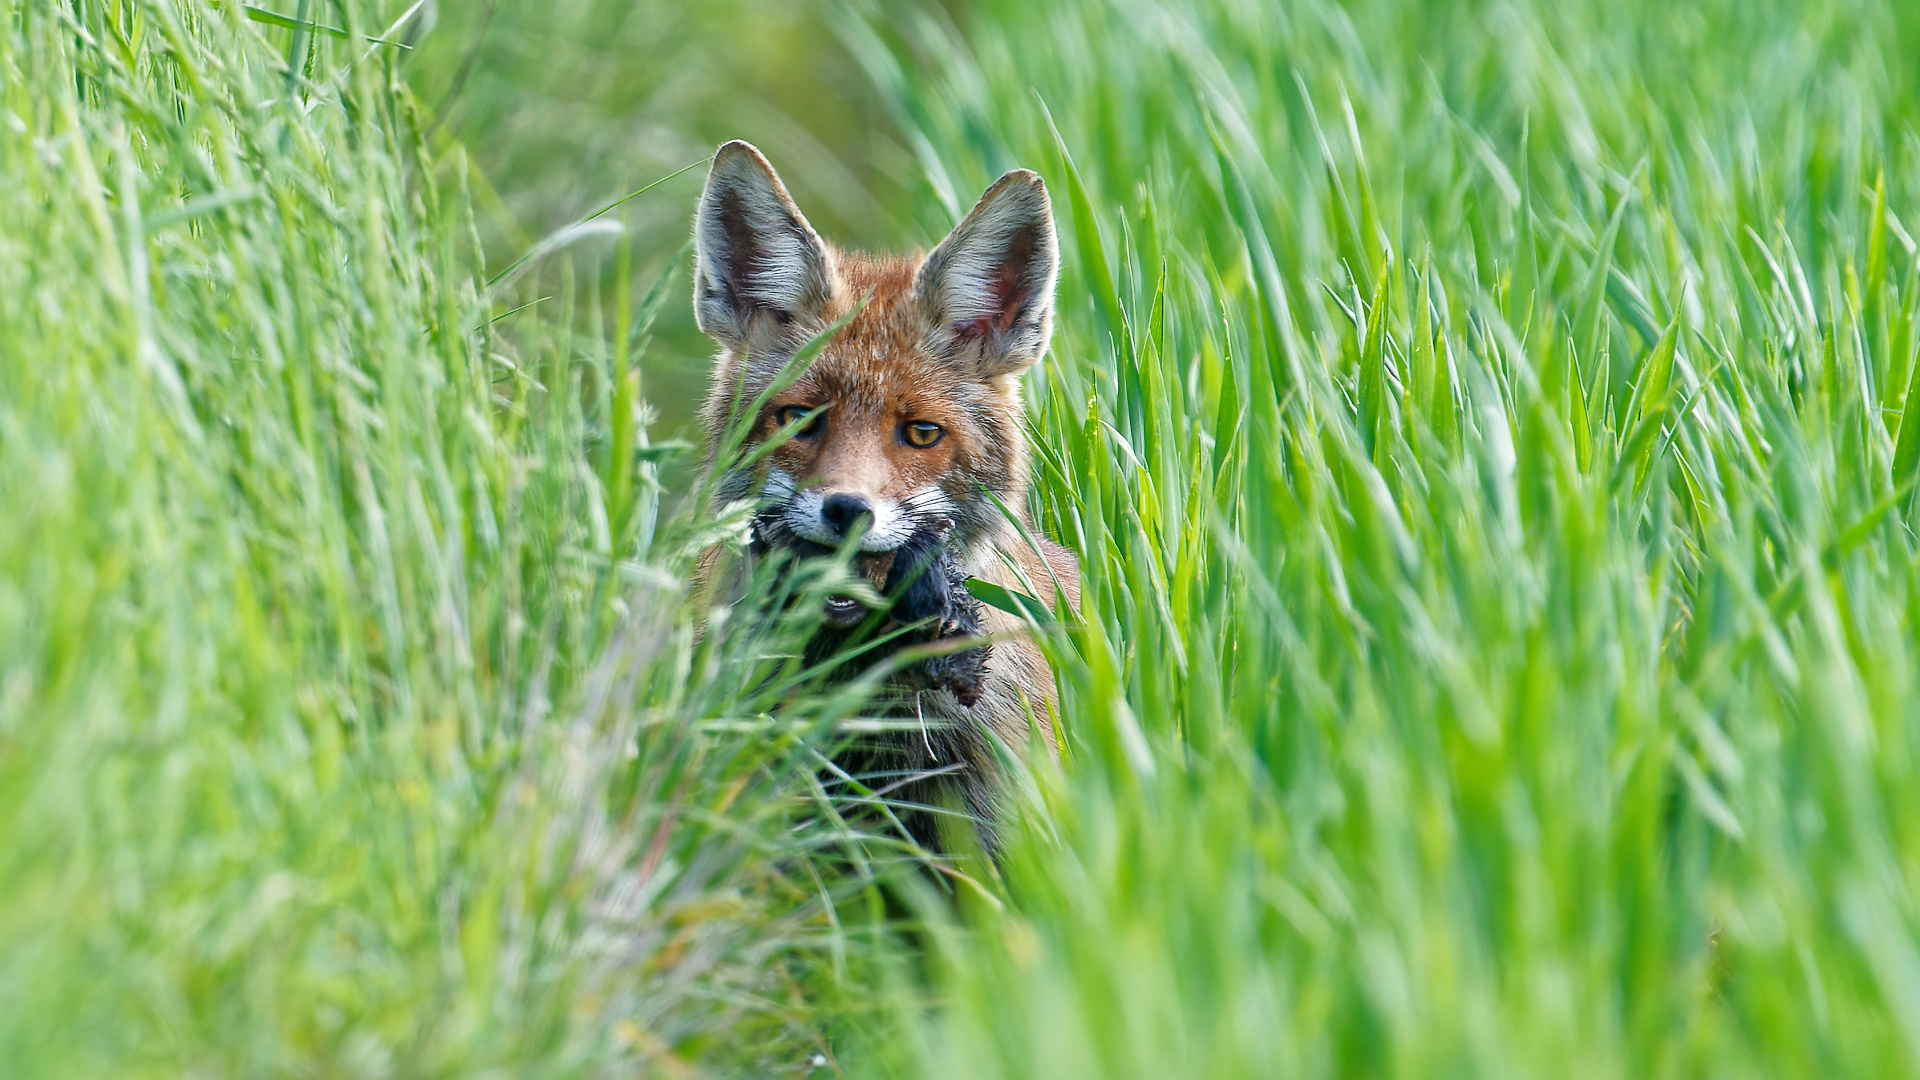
{"type": "Point", "coordinates": [1482, 425]}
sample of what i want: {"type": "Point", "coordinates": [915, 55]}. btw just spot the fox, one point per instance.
{"type": "Point", "coordinates": [905, 439]}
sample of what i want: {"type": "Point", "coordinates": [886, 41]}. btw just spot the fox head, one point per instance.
{"type": "Point", "coordinates": [910, 415]}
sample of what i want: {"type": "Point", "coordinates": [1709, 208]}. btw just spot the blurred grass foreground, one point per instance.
{"type": "Point", "coordinates": [1484, 426]}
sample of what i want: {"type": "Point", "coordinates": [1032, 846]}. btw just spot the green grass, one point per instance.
{"type": "Point", "coordinates": [1482, 424]}
{"type": "Point", "coordinates": [353, 720]}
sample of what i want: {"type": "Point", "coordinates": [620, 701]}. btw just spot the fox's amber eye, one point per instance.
{"type": "Point", "coordinates": [920, 434]}
{"type": "Point", "coordinates": [794, 414]}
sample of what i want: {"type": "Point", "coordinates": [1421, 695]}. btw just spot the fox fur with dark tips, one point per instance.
{"type": "Point", "coordinates": [909, 436]}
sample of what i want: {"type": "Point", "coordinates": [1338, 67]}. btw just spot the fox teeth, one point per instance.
{"type": "Point", "coordinates": [843, 611]}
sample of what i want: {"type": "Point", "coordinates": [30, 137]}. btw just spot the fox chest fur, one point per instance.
{"type": "Point", "coordinates": [901, 439]}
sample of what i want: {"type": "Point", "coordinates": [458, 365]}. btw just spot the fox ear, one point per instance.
{"type": "Point", "coordinates": [987, 289]}
{"type": "Point", "coordinates": [762, 276]}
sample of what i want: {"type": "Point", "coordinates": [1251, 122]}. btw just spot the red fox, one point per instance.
{"type": "Point", "coordinates": [905, 437]}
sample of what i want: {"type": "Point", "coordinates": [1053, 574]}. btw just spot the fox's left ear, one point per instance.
{"type": "Point", "coordinates": [987, 289]}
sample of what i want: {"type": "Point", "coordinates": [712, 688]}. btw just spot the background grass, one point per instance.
{"type": "Point", "coordinates": [1482, 425]}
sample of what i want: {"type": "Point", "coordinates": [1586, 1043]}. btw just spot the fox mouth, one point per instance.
{"type": "Point", "coordinates": [843, 611]}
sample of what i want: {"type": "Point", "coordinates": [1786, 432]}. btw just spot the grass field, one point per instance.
{"type": "Point", "coordinates": [1482, 425]}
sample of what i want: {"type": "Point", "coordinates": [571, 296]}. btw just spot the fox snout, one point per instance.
{"type": "Point", "coordinates": [829, 517]}
{"type": "Point", "coordinates": [842, 512]}
{"type": "Point", "coordinates": [869, 468]}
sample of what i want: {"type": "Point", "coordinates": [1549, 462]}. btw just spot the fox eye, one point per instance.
{"type": "Point", "coordinates": [794, 414]}
{"type": "Point", "coordinates": [920, 434]}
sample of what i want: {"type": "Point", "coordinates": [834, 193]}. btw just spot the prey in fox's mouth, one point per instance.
{"type": "Point", "coordinates": [921, 536]}
{"type": "Point", "coordinates": [887, 569]}
{"type": "Point", "coordinates": [925, 599]}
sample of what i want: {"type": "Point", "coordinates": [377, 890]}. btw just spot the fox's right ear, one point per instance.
{"type": "Point", "coordinates": [762, 276]}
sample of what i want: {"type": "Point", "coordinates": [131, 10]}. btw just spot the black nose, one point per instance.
{"type": "Point", "coordinates": [841, 511]}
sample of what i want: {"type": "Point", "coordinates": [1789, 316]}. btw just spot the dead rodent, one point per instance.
{"type": "Point", "coordinates": [928, 603]}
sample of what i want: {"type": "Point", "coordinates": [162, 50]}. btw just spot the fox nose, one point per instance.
{"type": "Point", "coordinates": [842, 510]}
